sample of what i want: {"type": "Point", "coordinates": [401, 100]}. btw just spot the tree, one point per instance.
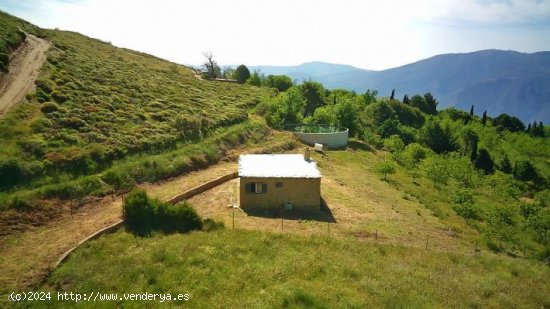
{"type": "Point", "coordinates": [540, 222]}
{"type": "Point", "coordinates": [211, 66]}
{"type": "Point", "coordinates": [346, 115]}
{"type": "Point", "coordinates": [324, 115]}
{"type": "Point", "coordinates": [394, 144]}
{"type": "Point", "coordinates": [228, 73]}
{"type": "Point", "coordinates": [242, 74]}
{"type": "Point", "coordinates": [369, 96]}
{"type": "Point", "coordinates": [500, 224]}
{"type": "Point", "coordinates": [379, 112]}
{"type": "Point", "coordinates": [510, 123]}
{"type": "Point", "coordinates": [286, 108]}
{"type": "Point", "coordinates": [473, 153]}
{"type": "Point", "coordinates": [406, 99]}
{"type": "Point", "coordinates": [469, 139]}
{"type": "Point", "coordinates": [484, 161]}
{"type": "Point", "coordinates": [435, 168]}
{"type": "Point", "coordinates": [431, 104]}
{"type": "Point", "coordinates": [385, 168]}
{"type": "Point", "coordinates": [438, 138]}
{"type": "Point", "coordinates": [314, 93]}
{"type": "Point", "coordinates": [392, 96]}
{"type": "Point", "coordinates": [537, 130]}
{"type": "Point", "coordinates": [464, 203]}
{"type": "Point", "coordinates": [528, 130]}
{"type": "Point", "coordinates": [388, 128]}
{"type": "Point", "coordinates": [525, 170]}
{"type": "Point", "coordinates": [484, 118]}
{"type": "Point", "coordinates": [427, 103]}
{"type": "Point", "coordinates": [472, 111]}
{"type": "Point", "coordinates": [281, 82]}
{"type": "Point", "coordinates": [505, 166]}
{"type": "Point", "coordinates": [255, 79]}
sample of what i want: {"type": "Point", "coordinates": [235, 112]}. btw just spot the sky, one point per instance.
{"type": "Point", "coordinates": [370, 34]}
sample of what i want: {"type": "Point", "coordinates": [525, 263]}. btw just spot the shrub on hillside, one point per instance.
{"type": "Point", "coordinates": [4, 59]}
{"type": "Point", "coordinates": [176, 218]}
{"type": "Point", "coordinates": [49, 107]}
{"type": "Point", "coordinates": [143, 215]}
{"type": "Point", "coordinates": [58, 96]}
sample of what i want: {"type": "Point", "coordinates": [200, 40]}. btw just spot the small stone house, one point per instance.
{"type": "Point", "coordinates": [279, 181]}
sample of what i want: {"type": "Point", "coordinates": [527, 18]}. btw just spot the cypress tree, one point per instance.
{"type": "Point", "coordinates": [528, 130]}
{"type": "Point", "coordinates": [406, 99]}
{"type": "Point", "coordinates": [537, 130]}
{"type": "Point", "coordinates": [484, 161]}
{"type": "Point", "coordinates": [473, 154]}
{"type": "Point", "coordinates": [505, 165]}
{"type": "Point", "coordinates": [472, 111]}
{"type": "Point", "coordinates": [392, 94]}
{"type": "Point", "coordinates": [484, 119]}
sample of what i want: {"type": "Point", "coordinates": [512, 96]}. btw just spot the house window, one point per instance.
{"type": "Point", "coordinates": [279, 184]}
{"type": "Point", "coordinates": [256, 187]}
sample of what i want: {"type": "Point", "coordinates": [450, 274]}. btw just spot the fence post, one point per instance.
{"type": "Point", "coordinates": [233, 212]}
{"type": "Point", "coordinates": [427, 237]}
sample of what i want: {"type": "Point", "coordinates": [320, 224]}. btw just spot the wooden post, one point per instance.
{"type": "Point", "coordinates": [282, 224]}
{"type": "Point", "coordinates": [427, 237]}
{"type": "Point", "coordinates": [233, 212]}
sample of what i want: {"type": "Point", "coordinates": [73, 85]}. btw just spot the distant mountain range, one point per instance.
{"type": "Point", "coordinates": [494, 80]}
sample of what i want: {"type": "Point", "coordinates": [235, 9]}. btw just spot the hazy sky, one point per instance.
{"type": "Point", "coordinates": [375, 34]}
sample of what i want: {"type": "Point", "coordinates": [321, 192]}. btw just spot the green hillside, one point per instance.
{"type": "Point", "coordinates": [96, 104]}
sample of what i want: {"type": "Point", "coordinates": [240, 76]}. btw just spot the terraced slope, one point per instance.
{"type": "Point", "coordinates": [95, 103]}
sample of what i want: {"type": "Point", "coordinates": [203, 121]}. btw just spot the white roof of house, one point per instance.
{"type": "Point", "coordinates": [277, 165]}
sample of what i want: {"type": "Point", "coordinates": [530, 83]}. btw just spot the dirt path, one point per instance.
{"type": "Point", "coordinates": [25, 258]}
{"type": "Point", "coordinates": [24, 68]}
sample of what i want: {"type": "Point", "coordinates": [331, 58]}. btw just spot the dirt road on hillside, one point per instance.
{"type": "Point", "coordinates": [24, 68]}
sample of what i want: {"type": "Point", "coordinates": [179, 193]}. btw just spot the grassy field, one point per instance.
{"type": "Point", "coordinates": [256, 269]}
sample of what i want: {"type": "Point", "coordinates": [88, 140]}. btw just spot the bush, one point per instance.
{"type": "Point", "coordinates": [58, 96]}
{"type": "Point", "coordinates": [44, 85]}
{"type": "Point", "coordinates": [211, 225]}
{"type": "Point", "coordinates": [4, 59]}
{"type": "Point", "coordinates": [176, 218]}
{"type": "Point", "coordinates": [13, 172]}
{"type": "Point", "coordinates": [138, 211]}
{"type": "Point", "coordinates": [41, 96]}
{"type": "Point", "coordinates": [144, 215]}
{"type": "Point", "coordinates": [49, 107]}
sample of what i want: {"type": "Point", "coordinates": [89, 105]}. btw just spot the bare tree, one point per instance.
{"type": "Point", "coordinates": [211, 65]}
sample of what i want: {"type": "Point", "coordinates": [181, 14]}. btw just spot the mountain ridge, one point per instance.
{"type": "Point", "coordinates": [499, 81]}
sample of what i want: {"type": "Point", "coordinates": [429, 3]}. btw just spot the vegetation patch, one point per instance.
{"type": "Point", "coordinates": [143, 215]}
{"type": "Point", "coordinates": [260, 269]}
